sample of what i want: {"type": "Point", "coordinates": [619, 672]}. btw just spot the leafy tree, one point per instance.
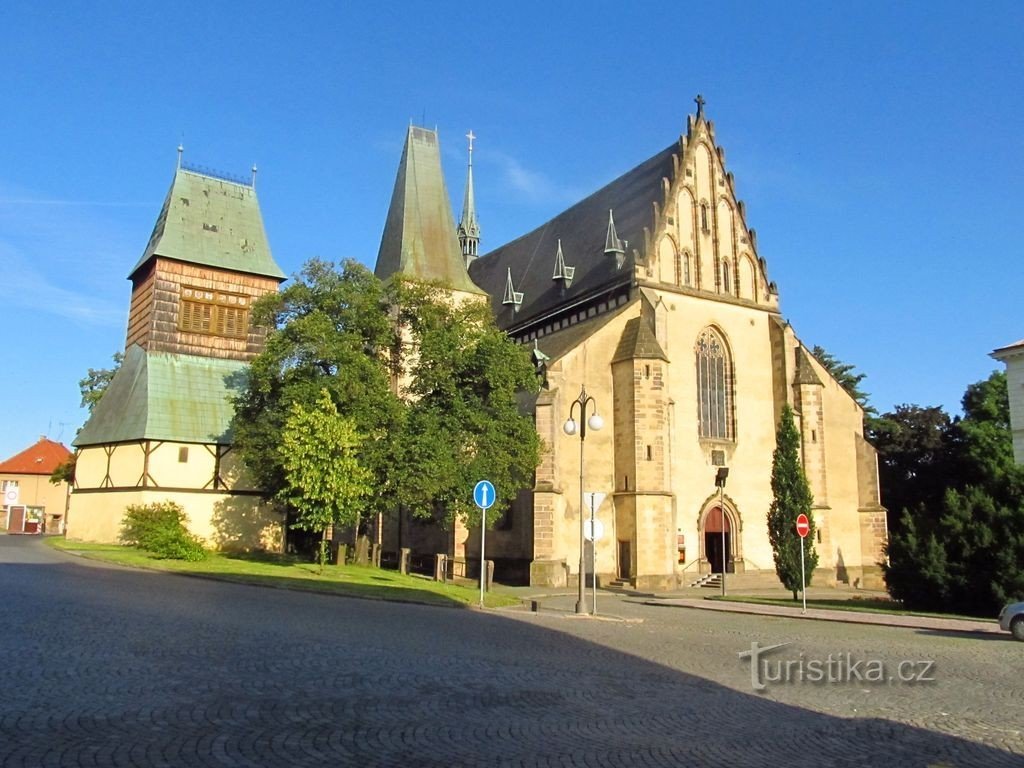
{"type": "Point", "coordinates": [96, 381]}
{"type": "Point", "coordinates": [914, 459]}
{"type": "Point", "coordinates": [325, 483]}
{"type": "Point", "coordinates": [791, 496]}
{"type": "Point", "coordinates": [845, 374]}
{"type": "Point", "coordinates": [960, 545]}
{"type": "Point", "coordinates": [332, 329]}
{"type": "Point", "coordinates": [466, 378]}
{"type": "Point", "coordinates": [65, 471]}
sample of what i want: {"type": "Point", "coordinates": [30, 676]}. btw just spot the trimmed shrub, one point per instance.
{"type": "Point", "coordinates": [159, 528]}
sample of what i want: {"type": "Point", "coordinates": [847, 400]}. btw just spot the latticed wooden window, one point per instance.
{"type": "Point", "coordinates": [714, 387]}
{"type": "Point", "coordinates": [216, 312]}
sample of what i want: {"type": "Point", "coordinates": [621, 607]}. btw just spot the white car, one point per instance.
{"type": "Point", "coordinates": [1011, 619]}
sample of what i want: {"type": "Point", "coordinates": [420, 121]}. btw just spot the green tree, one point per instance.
{"type": "Point", "coordinates": [466, 382]}
{"type": "Point", "coordinates": [914, 459]}
{"type": "Point", "coordinates": [96, 381]}
{"type": "Point", "coordinates": [791, 496]}
{"type": "Point", "coordinates": [325, 483]}
{"type": "Point", "coordinates": [960, 545]}
{"type": "Point", "coordinates": [846, 375]}
{"type": "Point", "coordinates": [332, 329]}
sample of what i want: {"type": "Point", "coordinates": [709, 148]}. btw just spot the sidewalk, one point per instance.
{"type": "Point", "coordinates": [821, 614]}
{"type": "Point", "coordinates": [562, 600]}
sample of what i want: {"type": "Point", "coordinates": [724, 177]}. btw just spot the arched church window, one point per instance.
{"type": "Point", "coordinates": [704, 225]}
{"type": "Point", "coordinates": [678, 269]}
{"type": "Point", "coordinates": [725, 278]}
{"type": "Point", "coordinates": [714, 386]}
{"type": "Point", "coordinates": [686, 269]}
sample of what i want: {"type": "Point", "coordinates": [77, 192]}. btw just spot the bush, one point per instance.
{"type": "Point", "coordinates": [159, 528]}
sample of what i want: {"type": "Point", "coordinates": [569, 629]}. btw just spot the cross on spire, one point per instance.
{"type": "Point", "coordinates": [700, 105]}
{"type": "Point", "coordinates": [470, 136]}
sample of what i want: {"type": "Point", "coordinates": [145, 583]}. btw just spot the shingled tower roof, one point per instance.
{"type": "Point", "coordinates": [212, 221]}
{"type": "Point", "coordinates": [419, 238]}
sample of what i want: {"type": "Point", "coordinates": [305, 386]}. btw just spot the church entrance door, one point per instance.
{"type": "Point", "coordinates": [718, 557]}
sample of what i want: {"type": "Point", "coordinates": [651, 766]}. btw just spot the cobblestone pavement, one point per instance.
{"type": "Point", "coordinates": [110, 667]}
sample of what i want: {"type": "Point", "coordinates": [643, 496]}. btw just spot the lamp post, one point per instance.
{"type": "Point", "coordinates": [720, 477]}
{"type": "Point", "coordinates": [570, 428]}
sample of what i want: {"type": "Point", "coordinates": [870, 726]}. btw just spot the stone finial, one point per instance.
{"type": "Point", "coordinates": [700, 105]}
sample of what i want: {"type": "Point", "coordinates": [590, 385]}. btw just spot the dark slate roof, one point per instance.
{"type": "Point", "coordinates": [582, 229]}
{"type": "Point", "coordinates": [166, 396]}
{"type": "Point", "coordinates": [419, 237]}
{"type": "Point", "coordinates": [556, 344]}
{"type": "Point", "coordinates": [805, 373]}
{"type": "Point", "coordinates": [638, 343]}
{"type": "Point", "coordinates": [213, 222]}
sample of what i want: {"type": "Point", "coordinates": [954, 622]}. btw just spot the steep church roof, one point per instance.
{"type": "Point", "coordinates": [213, 222]}
{"type": "Point", "coordinates": [164, 396]}
{"type": "Point", "coordinates": [584, 231]}
{"type": "Point", "coordinates": [419, 237]}
{"type": "Point", "coordinates": [41, 458]}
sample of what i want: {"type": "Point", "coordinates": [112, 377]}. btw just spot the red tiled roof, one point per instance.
{"type": "Point", "coordinates": [41, 459]}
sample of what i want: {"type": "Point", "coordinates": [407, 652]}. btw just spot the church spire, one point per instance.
{"type": "Point", "coordinates": [469, 230]}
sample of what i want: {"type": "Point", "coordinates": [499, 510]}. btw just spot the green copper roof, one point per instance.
{"type": "Point", "coordinates": [164, 396]}
{"type": "Point", "coordinates": [213, 222]}
{"type": "Point", "coordinates": [419, 235]}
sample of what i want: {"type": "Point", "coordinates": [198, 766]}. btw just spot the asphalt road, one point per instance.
{"type": "Point", "coordinates": [110, 667]}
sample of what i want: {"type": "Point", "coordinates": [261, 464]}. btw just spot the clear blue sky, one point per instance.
{"type": "Point", "coordinates": [878, 147]}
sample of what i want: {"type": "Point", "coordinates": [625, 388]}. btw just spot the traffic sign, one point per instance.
{"type": "Point", "coordinates": [592, 500]}
{"type": "Point", "coordinates": [593, 530]}
{"type": "Point", "coordinates": [803, 525]}
{"type": "Point", "coordinates": [483, 494]}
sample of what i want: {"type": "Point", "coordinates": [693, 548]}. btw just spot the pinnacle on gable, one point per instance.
{"type": "Point", "coordinates": [562, 272]}
{"type": "Point", "coordinates": [512, 296]}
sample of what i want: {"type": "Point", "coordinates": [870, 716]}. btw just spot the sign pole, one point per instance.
{"type": "Point", "coordinates": [484, 496]}
{"type": "Point", "coordinates": [593, 553]}
{"type": "Point", "coordinates": [803, 575]}
{"type": "Point", "coordinates": [483, 556]}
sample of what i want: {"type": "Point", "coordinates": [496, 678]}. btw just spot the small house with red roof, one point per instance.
{"type": "Point", "coordinates": [31, 503]}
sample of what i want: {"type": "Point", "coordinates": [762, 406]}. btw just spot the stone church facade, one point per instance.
{"type": "Point", "coordinates": [650, 294]}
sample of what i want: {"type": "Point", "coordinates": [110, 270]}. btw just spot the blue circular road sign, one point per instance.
{"type": "Point", "coordinates": [483, 494]}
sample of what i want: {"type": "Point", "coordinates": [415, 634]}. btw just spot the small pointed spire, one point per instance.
{"type": "Point", "coordinates": [181, 149]}
{"type": "Point", "coordinates": [512, 296]}
{"type": "Point", "coordinates": [562, 272]}
{"type": "Point", "coordinates": [612, 245]}
{"type": "Point", "coordinates": [469, 230]}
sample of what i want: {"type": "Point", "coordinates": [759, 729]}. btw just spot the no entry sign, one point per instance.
{"type": "Point", "coordinates": [803, 525]}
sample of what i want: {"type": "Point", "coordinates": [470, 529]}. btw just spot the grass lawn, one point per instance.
{"type": "Point", "coordinates": [283, 572]}
{"type": "Point", "coordinates": [859, 604]}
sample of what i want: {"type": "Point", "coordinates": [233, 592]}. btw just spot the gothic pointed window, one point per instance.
{"type": "Point", "coordinates": [705, 225]}
{"type": "Point", "coordinates": [686, 269]}
{"type": "Point", "coordinates": [714, 387]}
{"type": "Point", "coordinates": [726, 284]}
{"type": "Point", "coordinates": [678, 269]}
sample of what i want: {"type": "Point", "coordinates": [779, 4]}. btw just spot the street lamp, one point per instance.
{"type": "Point", "coordinates": [570, 427]}
{"type": "Point", "coordinates": [720, 476]}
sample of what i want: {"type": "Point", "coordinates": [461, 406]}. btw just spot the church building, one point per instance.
{"type": "Point", "coordinates": [650, 297]}
{"type": "Point", "coordinates": [648, 300]}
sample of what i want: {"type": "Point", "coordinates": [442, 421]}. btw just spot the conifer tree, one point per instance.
{"type": "Point", "coordinates": [791, 496]}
